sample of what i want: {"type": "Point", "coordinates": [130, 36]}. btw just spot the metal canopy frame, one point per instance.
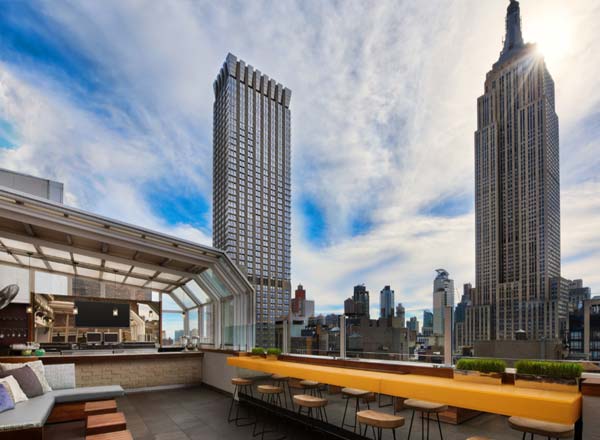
{"type": "Point", "coordinates": [50, 237]}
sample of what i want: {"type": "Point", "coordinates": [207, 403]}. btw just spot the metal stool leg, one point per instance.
{"type": "Point", "coordinates": [356, 410]}
{"type": "Point", "coordinates": [427, 425]}
{"type": "Point", "coordinates": [345, 411]}
{"type": "Point", "coordinates": [411, 424]}
{"type": "Point", "coordinates": [439, 426]}
{"type": "Point", "coordinates": [229, 419]}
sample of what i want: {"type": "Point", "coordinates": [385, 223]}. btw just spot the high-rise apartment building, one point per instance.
{"type": "Point", "coordinates": [386, 302]}
{"type": "Point", "coordinates": [299, 296]}
{"type": "Point", "coordinates": [517, 197]}
{"type": "Point", "coordinates": [361, 300]}
{"type": "Point", "coordinates": [427, 328]}
{"type": "Point", "coordinates": [443, 296]}
{"type": "Point", "coordinates": [401, 314]}
{"type": "Point", "coordinates": [252, 185]}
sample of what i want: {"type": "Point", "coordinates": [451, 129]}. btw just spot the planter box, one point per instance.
{"type": "Point", "coordinates": [478, 377]}
{"type": "Point", "coordinates": [272, 357]}
{"type": "Point", "coordinates": [546, 383]}
{"type": "Point", "coordinates": [256, 356]}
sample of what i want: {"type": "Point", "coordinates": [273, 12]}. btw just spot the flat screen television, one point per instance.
{"type": "Point", "coordinates": [111, 338]}
{"type": "Point", "coordinates": [93, 337]}
{"type": "Point", "coordinates": [101, 314]}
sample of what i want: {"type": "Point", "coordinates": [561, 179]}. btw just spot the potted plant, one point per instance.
{"type": "Point", "coordinates": [273, 354]}
{"type": "Point", "coordinates": [258, 352]}
{"type": "Point", "coordinates": [486, 371]}
{"type": "Point", "coordinates": [548, 375]}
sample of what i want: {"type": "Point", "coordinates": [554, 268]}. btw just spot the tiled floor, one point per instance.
{"type": "Point", "coordinates": [201, 413]}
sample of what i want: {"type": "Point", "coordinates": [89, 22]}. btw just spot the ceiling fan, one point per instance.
{"type": "Point", "coordinates": [7, 294]}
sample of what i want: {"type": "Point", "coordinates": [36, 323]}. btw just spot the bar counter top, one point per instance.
{"type": "Point", "coordinates": [77, 356]}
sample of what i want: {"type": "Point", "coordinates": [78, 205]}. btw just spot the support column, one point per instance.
{"type": "Point", "coordinates": [448, 335]}
{"type": "Point", "coordinates": [343, 336]}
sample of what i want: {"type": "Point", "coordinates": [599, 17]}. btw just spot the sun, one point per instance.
{"type": "Point", "coordinates": [551, 30]}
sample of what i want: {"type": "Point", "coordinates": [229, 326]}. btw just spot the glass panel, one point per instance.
{"type": "Point", "coordinates": [20, 277]}
{"type": "Point", "coordinates": [168, 303]}
{"type": "Point", "coordinates": [197, 291]}
{"type": "Point", "coordinates": [227, 320]}
{"type": "Point", "coordinates": [209, 277]}
{"type": "Point", "coordinates": [206, 323]}
{"type": "Point", "coordinates": [172, 328]}
{"type": "Point", "coordinates": [51, 283]}
{"type": "Point", "coordinates": [183, 298]}
{"type": "Point", "coordinates": [193, 322]}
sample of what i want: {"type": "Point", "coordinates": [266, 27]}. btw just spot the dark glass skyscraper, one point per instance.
{"type": "Point", "coordinates": [252, 185]}
{"type": "Point", "coordinates": [517, 197]}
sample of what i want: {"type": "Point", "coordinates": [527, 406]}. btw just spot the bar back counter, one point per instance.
{"type": "Point", "coordinates": [132, 369]}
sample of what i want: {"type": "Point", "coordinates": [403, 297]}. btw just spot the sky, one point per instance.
{"type": "Point", "coordinates": [114, 98]}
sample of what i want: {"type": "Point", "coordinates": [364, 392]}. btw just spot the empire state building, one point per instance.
{"type": "Point", "coordinates": [517, 198]}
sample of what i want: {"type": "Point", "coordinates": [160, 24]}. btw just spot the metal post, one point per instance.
{"type": "Point", "coordinates": [284, 343]}
{"type": "Point", "coordinates": [448, 335]}
{"type": "Point", "coordinates": [343, 336]}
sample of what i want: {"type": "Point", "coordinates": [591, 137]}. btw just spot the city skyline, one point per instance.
{"type": "Point", "coordinates": [339, 238]}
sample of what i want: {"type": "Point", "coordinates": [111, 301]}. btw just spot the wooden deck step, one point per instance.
{"type": "Point", "coordinates": [103, 423]}
{"type": "Point", "coordinates": [119, 435]}
{"type": "Point", "coordinates": [100, 407]}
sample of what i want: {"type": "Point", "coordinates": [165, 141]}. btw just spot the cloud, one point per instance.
{"type": "Point", "coordinates": [115, 99]}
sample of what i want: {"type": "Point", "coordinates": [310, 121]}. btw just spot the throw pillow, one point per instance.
{"type": "Point", "coordinates": [27, 380]}
{"type": "Point", "coordinates": [60, 376]}
{"type": "Point", "coordinates": [14, 389]}
{"type": "Point", "coordinates": [6, 401]}
{"type": "Point", "coordinates": [38, 369]}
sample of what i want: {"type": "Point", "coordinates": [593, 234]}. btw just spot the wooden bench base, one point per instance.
{"type": "Point", "coordinates": [100, 407]}
{"type": "Point", "coordinates": [104, 423]}
{"type": "Point", "coordinates": [119, 435]}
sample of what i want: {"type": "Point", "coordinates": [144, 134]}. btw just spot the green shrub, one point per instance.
{"type": "Point", "coordinates": [274, 351]}
{"type": "Point", "coordinates": [258, 351]}
{"type": "Point", "coordinates": [482, 365]}
{"type": "Point", "coordinates": [556, 370]}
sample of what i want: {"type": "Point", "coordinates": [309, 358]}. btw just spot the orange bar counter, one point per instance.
{"type": "Point", "coordinates": [508, 400]}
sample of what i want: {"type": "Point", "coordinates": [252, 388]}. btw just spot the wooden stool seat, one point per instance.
{"type": "Point", "coordinates": [100, 407]}
{"type": "Point", "coordinates": [279, 378]}
{"type": "Point", "coordinates": [119, 435]}
{"type": "Point", "coordinates": [103, 423]}
{"type": "Point", "coordinates": [355, 392]}
{"type": "Point", "coordinates": [309, 384]}
{"type": "Point", "coordinates": [307, 401]}
{"type": "Point", "coordinates": [269, 389]}
{"type": "Point", "coordinates": [379, 419]}
{"type": "Point", "coordinates": [423, 406]}
{"type": "Point", "coordinates": [240, 381]}
{"type": "Point", "coordinates": [539, 427]}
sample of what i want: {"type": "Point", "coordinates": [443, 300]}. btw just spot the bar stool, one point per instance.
{"type": "Point", "coordinates": [312, 387]}
{"type": "Point", "coordinates": [244, 385]}
{"type": "Point", "coordinates": [284, 382]}
{"type": "Point", "coordinates": [353, 393]}
{"type": "Point", "coordinates": [379, 421]}
{"type": "Point", "coordinates": [479, 438]}
{"type": "Point", "coordinates": [425, 408]}
{"type": "Point", "coordinates": [539, 427]}
{"type": "Point", "coordinates": [270, 394]}
{"type": "Point", "coordinates": [309, 402]}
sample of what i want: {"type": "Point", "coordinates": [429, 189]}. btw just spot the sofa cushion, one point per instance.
{"type": "Point", "coordinates": [6, 401]}
{"type": "Point", "coordinates": [27, 380]}
{"type": "Point", "coordinates": [36, 366]}
{"type": "Point", "coordinates": [87, 393]}
{"type": "Point", "coordinates": [29, 414]}
{"type": "Point", "coordinates": [60, 376]}
{"type": "Point", "coordinates": [14, 389]}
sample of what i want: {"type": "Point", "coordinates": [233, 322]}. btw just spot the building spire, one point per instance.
{"type": "Point", "coordinates": [513, 38]}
